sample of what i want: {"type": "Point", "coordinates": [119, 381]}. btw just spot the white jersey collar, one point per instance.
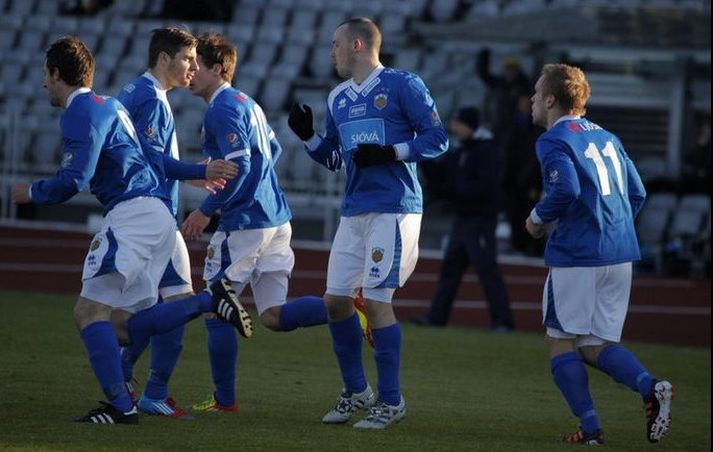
{"type": "Point", "coordinates": [219, 90]}
{"type": "Point", "coordinates": [154, 80]}
{"type": "Point", "coordinates": [375, 73]}
{"type": "Point", "coordinates": [76, 93]}
{"type": "Point", "coordinates": [566, 118]}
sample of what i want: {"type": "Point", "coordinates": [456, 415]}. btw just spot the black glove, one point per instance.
{"type": "Point", "coordinates": [300, 121]}
{"type": "Point", "coordinates": [373, 154]}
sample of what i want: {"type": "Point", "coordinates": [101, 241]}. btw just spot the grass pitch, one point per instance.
{"type": "Point", "coordinates": [466, 390]}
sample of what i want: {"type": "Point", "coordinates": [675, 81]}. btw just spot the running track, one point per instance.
{"type": "Point", "coordinates": [667, 311]}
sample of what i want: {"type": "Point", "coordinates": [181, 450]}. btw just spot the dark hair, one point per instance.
{"type": "Point", "coordinates": [364, 29]}
{"type": "Point", "coordinates": [73, 59]}
{"type": "Point", "coordinates": [215, 49]}
{"type": "Point", "coordinates": [169, 40]}
{"type": "Point", "coordinates": [568, 85]}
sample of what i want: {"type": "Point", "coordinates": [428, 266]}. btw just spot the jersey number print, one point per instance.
{"type": "Point", "coordinates": [593, 153]}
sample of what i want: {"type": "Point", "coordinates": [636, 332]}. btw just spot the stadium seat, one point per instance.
{"type": "Point", "coordinates": [303, 19]}
{"type": "Point", "coordinates": [274, 17]}
{"type": "Point", "coordinates": [262, 53]}
{"type": "Point", "coordinates": [32, 41]}
{"type": "Point", "coordinates": [443, 10]}
{"type": "Point", "coordinates": [248, 84]}
{"type": "Point", "coordinates": [274, 97]}
{"type": "Point", "coordinates": [651, 225]}
{"type": "Point", "coordinates": [320, 62]}
{"type": "Point", "coordinates": [293, 54]}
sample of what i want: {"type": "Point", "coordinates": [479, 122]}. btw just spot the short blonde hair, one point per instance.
{"type": "Point", "coordinates": [568, 85]}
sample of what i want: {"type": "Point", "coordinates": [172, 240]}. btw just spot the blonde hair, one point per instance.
{"type": "Point", "coordinates": [568, 85]}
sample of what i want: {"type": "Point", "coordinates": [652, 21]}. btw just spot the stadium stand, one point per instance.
{"type": "Point", "coordinates": [648, 63]}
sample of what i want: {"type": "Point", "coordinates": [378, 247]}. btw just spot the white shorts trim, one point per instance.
{"type": "Point", "coordinates": [262, 258]}
{"type": "Point", "coordinates": [587, 301]}
{"type": "Point", "coordinates": [128, 256]}
{"type": "Point", "coordinates": [374, 251]}
{"type": "Point", "coordinates": [176, 280]}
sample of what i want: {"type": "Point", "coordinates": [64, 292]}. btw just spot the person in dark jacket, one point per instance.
{"type": "Point", "coordinates": [472, 186]}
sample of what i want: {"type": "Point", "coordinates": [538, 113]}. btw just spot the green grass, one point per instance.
{"type": "Point", "coordinates": [466, 390]}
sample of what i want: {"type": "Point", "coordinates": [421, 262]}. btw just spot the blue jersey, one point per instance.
{"type": "Point", "coordinates": [101, 149]}
{"type": "Point", "coordinates": [235, 128]}
{"type": "Point", "coordinates": [389, 107]}
{"type": "Point", "coordinates": [150, 111]}
{"type": "Point", "coordinates": [592, 191]}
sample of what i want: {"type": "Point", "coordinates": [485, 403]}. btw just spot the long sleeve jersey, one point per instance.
{"type": "Point", "coordinates": [593, 193]}
{"type": "Point", "coordinates": [235, 129]}
{"type": "Point", "coordinates": [102, 151]}
{"type": "Point", "coordinates": [146, 101]}
{"type": "Point", "coordinates": [390, 107]}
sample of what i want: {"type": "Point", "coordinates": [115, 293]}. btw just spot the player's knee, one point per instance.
{"type": "Point", "coordinates": [87, 311]}
{"type": "Point", "coordinates": [338, 308]}
{"type": "Point", "coordinates": [270, 318]}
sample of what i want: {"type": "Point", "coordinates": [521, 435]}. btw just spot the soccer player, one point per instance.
{"type": "Point", "coordinates": [380, 122]}
{"type": "Point", "coordinates": [172, 64]}
{"type": "Point", "coordinates": [126, 259]}
{"type": "Point", "coordinates": [252, 243]}
{"type": "Point", "coordinates": [593, 193]}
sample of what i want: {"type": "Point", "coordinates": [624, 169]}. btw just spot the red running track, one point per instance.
{"type": "Point", "coordinates": [662, 310]}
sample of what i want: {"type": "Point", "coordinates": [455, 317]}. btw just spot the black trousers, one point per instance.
{"type": "Point", "coordinates": [472, 242]}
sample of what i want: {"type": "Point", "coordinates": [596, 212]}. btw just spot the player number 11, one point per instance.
{"type": "Point", "coordinates": [593, 153]}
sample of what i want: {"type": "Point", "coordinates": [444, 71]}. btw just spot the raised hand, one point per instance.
{"type": "Point", "coordinates": [301, 122]}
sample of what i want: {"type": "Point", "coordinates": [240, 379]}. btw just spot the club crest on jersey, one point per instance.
{"type": "Point", "coordinates": [554, 176]}
{"type": "Point", "coordinates": [377, 254]}
{"type": "Point", "coordinates": [380, 101]}
{"type": "Point", "coordinates": [210, 253]}
{"type": "Point", "coordinates": [95, 244]}
{"type": "Point", "coordinates": [357, 110]}
{"type": "Point", "coordinates": [435, 119]}
{"type": "Point", "coordinates": [67, 158]}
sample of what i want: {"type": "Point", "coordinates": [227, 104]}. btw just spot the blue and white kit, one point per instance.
{"type": "Point", "coordinates": [390, 107]}
{"type": "Point", "coordinates": [592, 195]}
{"type": "Point", "coordinates": [102, 151]}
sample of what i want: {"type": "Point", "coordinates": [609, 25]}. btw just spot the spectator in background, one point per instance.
{"type": "Point", "coordinates": [696, 174]}
{"type": "Point", "coordinates": [472, 185]}
{"type": "Point", "coordinates": [503, 91]}
{"type": "Point", "coordinates": [521, 180]}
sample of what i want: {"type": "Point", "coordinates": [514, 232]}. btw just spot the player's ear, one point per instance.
{"type": "Point", "coordinates": [358, 45]}
{"type": "Point", "coordinates": [217, 68]}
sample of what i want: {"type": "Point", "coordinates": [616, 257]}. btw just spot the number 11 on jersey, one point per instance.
{"type": "Point", "coordinates": [593, 153]}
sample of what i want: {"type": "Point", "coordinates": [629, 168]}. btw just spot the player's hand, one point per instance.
{"type": "Point", "coordinates": [373, 154]}
{"type": "Point", "coordinates": [194, 225]}
{"type": "Point", "coordinates": [537, 231]}
{"type": "Point", "coordinates": [301, 122]}
{"type": "Point", "coordinates": [21, 194]}
{"type": "Point", "coordinates": [211, 186]}
{"type": "Point", "coordinates": [221, 169]}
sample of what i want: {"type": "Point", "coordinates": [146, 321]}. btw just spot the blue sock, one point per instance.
{"type": "Point", "coordinates": [165, 350]}
{"type": "Point", "coordinates": [302, 312]}
{"type": "Point", "coordinates": [571, 378]}
{"type": "Point", "coordinates": [103, 349]}
{"type": "Point", "coordinates": [620, 364]}
{"type": "Point", "coordinates": [164, 317]}
{"type": "Point", "coordinates": [129, 355]}
{"type": "Point", "coordinates": [223, 353]}
{"type": "Point", "coordinates": [387, 353]}
{"type": "Point", "coordinates": [346, 342]}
